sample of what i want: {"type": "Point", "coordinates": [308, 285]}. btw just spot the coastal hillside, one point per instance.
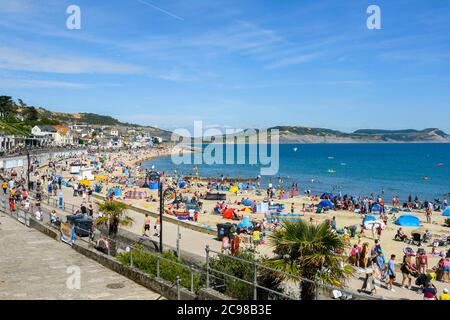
{"type": "Point", "coordinates": [18, 118]}
{"type": "Point", "coordinates": [295, 134]}
{"type": "Point", "coordinates": [298, 134]}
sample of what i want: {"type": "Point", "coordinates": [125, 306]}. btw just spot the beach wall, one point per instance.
{"type": "Point", "coordinates": [166, 218]}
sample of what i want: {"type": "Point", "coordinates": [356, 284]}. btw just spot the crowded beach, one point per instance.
{"type": "Point", "coordinates": [391, 242]}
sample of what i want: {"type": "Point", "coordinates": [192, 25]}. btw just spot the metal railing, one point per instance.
{"type": "Point", "coordinates": [206, 276]}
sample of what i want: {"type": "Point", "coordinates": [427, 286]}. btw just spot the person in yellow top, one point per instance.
{"type": "Point", "coordinates": [4, 187]}
{"type": "Point", "coordinates": [444, 295]}
{"type": "Point", "coordinates": [256, 237]}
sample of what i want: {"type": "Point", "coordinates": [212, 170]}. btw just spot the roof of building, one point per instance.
{"type": "Point", "coordinates": [62, 129]}
{"type": "Point", "coordinates": [46, 128]}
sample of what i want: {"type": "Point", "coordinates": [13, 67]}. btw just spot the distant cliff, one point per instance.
{"type": "Point", "coordinates": [297, 134]}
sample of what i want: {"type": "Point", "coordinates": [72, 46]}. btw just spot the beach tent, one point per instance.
{"type": "Point", "coordinates": [228, 214]}
{"type": "Point", "coordinates": [234, 189]}
{"type": "Point", "coordinates": [246, 209]}
{"type": "Point", "coordinates": [326, 195]}
{"type": "Point", "coordinates": [117, 192]}
{"type": "Point", "coordinates": [326, 203]}
{"type": "Point", "coordinates": [245, 223]}
{"type": "Point", "coordinates": [408, 220]}
{"type": "Point", "coordinates": [376, 208]}
{"type": "Point", "coordinates": [184, 185]}
{"type": "Point", "coordinates": [369, 218]}
{"type": "Point", "coordinates": [247, 202]}
{"type": "Point", "coordinates": [446, 212]}
{"type": "Point", "coordinates": [153, 185]}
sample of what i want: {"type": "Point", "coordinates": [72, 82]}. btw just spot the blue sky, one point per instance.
{"type": "Point", "coordinates": [246, 63]}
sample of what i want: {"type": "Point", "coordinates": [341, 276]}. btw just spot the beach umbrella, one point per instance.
{"type": "Point", "coordinates": [246, 209]}
{"type": "Point", "coordinates": [234, 189]}
{"type": "Point", "coordinates": [408, 220]}
{"type": "Point", "coordinates": [446, 212]}
{"type": "Point", "coordinates": [326, 203]}
{"type": "Point", "coordinates": [247, 202]}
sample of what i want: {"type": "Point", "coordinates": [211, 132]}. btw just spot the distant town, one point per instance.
{"type": "Point", "coordinates": [24, 127]}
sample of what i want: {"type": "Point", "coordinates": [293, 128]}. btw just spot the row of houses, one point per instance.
{"type": "Point", "coordinates": [71, 135]}
{"type": "Point", "coordinates": [55, 135]}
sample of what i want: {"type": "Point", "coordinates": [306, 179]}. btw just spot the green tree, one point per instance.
{"type": "Point", "coordinates": [31, 114]}
{"type": "Point", "coordinates": [309, 251]}
{"type": "Point", "coordinates": [7, 106]}
{"type": "Point", "coordinates": [114, 214]}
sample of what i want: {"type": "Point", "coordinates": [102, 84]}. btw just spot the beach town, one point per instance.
{"type": "Point", "coordinates": [395, 250]}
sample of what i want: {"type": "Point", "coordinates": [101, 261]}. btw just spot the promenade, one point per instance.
{"type": "Point", "coordinates": [34, 266]}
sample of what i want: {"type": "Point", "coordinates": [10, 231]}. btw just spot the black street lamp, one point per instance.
{"type": "Point", "coordinates": [28, 169]}
{"type": "Point", "coordinates": [154, 176]}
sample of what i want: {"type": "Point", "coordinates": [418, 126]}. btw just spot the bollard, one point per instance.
{"type": "Point", "coordinates": [192, 278]}
{"type": "Point", "coordinates": [255, 281]}
{"type": "Point", "coordinates": [131, 257]}
{"type": "Point", "coordinates": [178, 288]}
{"type": "Point", "coordinates": [157, 266]}
{"type": "Point", "coordinates": [207, 266]}
{"type": "Point", "coordinates": [317, 290]}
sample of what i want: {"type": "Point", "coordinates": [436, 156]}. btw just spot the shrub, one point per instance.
{"type": "Point", "coordinates": [245, 271]}
{"type": "Point", "coordinates": [169, 271]}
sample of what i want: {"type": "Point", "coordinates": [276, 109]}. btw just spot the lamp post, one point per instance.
{"type": "Point", "coordinates": [28, 169]}
{"type": "Point", "coordinates": [154, 176]}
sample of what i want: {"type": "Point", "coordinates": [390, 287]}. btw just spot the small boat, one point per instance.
{"type": "Point", "coordinates": [295, 149]}
{"type": "Point", "coordinates": [331, 171]}
{"type": "Point", "coordinates": [330, 158]}
{"type": "Point", "coordinates": [425, 178]}
{"type": "Point", "coordinates": [343, 164]}
{"type": "Point", "coordinates": [440, 165]}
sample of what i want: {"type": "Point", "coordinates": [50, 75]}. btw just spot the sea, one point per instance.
{"type": "Point", "coordinates": [402, 170]}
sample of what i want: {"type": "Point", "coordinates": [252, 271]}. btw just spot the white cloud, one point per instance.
{"type": "Point", "coordinates": [30, 60]}
{"type": "Point", "coordinates": [23, 83]}
{"type": "Point", "coordinates": [293, 60]}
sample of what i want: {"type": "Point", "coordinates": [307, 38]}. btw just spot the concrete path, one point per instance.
{"type": "Point", "coordinates": [34, 266]}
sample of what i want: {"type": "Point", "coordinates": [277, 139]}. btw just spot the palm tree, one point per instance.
{"type": "Point", "coordinates": [309, 251]}
{"type": "Point", "coordinates": [113, 216]}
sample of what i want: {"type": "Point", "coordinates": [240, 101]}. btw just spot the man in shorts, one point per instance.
{"type": "Point", "coordinates": [146, 225]}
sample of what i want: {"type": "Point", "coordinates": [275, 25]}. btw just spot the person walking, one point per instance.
{"type": "Point", "coordinates": [146, 225]}
{"type": "Point", "coordinates": [390, 273]}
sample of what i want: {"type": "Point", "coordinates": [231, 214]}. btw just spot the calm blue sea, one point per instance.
{"type": "Point", "coordinates": [360, 169]}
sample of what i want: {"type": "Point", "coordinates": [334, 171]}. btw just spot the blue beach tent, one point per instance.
{"type": "Point", "coordinates": [376, 208]}
{"type": "Point", "coordinates": [247, 202]}
{"type": "Point", "coordinates": [245, 223]}
{"type": "Point", "coordinates": [446, 212]}
{"type": "Point", "coordinates": [369, 218]}
{"type": "Point", "coordinates": [408, 220]}
{"type": "Point", "coordinates": [326, 203]}
{"type": "Point", "coordinates": [326, 195]}
{"type": "Point", "coordinates": [184, 184]}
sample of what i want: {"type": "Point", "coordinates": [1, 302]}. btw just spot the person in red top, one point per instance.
{"type": "Point", "coordinates": [428, 213]}
{"type": "Point", "coordinates": [422, 262]}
